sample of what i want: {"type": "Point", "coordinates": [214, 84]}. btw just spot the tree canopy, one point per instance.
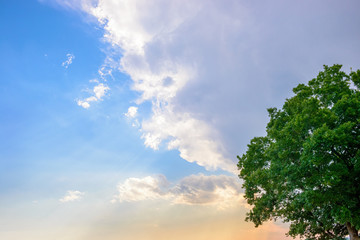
{"type": "Point", "coordinates": [306, 170]}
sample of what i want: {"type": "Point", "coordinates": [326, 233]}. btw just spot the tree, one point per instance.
{"type": "Point", "coordinates": [306, 170]}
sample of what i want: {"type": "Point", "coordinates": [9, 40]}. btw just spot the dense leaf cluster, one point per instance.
{"type": "Point", "coordinates": [306, 171]}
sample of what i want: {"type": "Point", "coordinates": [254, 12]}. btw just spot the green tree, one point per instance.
{"type": "Point", "coordinates": [306, 170]}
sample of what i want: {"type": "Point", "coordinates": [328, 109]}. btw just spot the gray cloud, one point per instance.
{"type": "Point", "coordinates": [227, 60]}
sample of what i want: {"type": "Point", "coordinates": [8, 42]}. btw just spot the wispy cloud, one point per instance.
{"type": "Point", "coordinates": [98, 92]}
{"type": "Point", "coordinates": [221, 191]}
{"type": "Point", "coordinates": [71, 196]}
{"type": "Point", "coordinates": [69, 60]}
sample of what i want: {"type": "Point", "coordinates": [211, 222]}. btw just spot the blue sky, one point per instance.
{"type": "Point", "coordinates": [115, 111]}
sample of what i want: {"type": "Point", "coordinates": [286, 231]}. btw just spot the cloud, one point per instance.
{"type": "Point", "coordinates": [215, 66]}
{"type": "Point", "coordinates": [138, 189]}
{"type": "Point", "coordinates": [72, 196]}
{"type": "Point", "coordinates": [98, 92]}
{"type": "Point", "coordinates": [208, 190]}
{"type": "Point", "coordinates": [132, 112]}
{"type": "Point", "coordinates": [192, 137]}
{"type": "Point", "coordinates": [221, 191]}
{"type": "Point", "coordinates": [70, 58]}
{"type": "Point", "coordinates": [74, 5]}
{"type": "Point", "coordinates": [159, 76]}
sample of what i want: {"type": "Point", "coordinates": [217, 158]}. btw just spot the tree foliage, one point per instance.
{"type": "Point", "coordinates": [306, 170]}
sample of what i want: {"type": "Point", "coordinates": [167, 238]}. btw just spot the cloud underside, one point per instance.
{"type": "Point", "coordinates": [220, 191]}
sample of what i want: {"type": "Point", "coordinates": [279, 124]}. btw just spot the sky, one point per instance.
{"type": "Point", "coordinates": [122, 119]}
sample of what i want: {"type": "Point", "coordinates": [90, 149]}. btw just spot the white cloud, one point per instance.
{"type": "Point", "coordinates": [71, 196]}
{"type": "Point", "coordinates": [192, 137]}
{"type": "Point", "coordinates": [145, 38]}
{"type": "Point", "coordinates": [98, 92]}
{"type": "Point", "coordinates": [138, 189]}
{"type": "Point", "coordinates": [83, 104]}
{"type": "Point", "coordinates": [132, 112]}
{"type": "Point", "coordinates": [70, 58]}
{"type": "Point", "coordinates": [141, 21]}
{"type": "Point", "coordinates": [221, 191]}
